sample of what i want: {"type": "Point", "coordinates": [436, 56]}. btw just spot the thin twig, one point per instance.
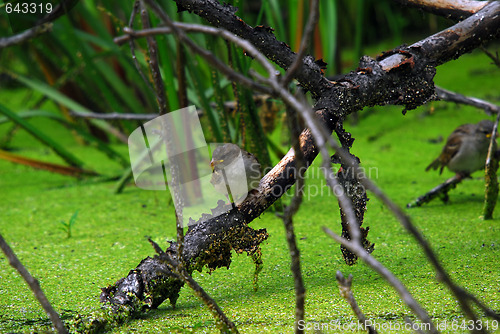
{"type": "Point", "coordinates": [293, 124]}
{"type": "Point", "coordinates": [119, 116]}
{"type": "Point", "coordinates": [405, 295]}
{"type": "Point", "coordinates": [446, 95]}
{"type": "Point", "coordinates": [161, 97]}
{"type": "Point", "coordinates": [210, 57]}
{"type": "Point", "coordinates": [346, 293]}
{"type": "Point", "coordinates": [113, 116]}
{"type": "Point", "coordinates": [135, 10]}
{"type": "Point", "coordinates": [312, 20]}
{"type": "Point", "coordinates": [495, 58]}
{"type": "Point", "coordinates": [132, 34]}
{"type": "Point", "coordinates": [34, 286]}
{"type": "Point", "coordinates": [25, 35]}
{"type": "Point", "coordinates": [223, 323]}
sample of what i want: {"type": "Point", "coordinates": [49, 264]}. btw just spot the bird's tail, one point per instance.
{"type": "Point", "coordinates": [435, 165]}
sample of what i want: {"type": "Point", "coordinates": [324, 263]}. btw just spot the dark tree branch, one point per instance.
{"type": "Point", "coordinates": [210, 57]}
{"type": "Point", "coordinates": [463, 37]}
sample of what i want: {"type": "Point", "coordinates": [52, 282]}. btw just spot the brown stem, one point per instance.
{"type": "Point", "coordinates": [34, 286]}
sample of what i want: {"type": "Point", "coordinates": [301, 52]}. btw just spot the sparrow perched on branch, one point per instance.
{"type": "Point", "coordinates": [466, 149]}
{"type": "Point", "coordinates": [235, 171]}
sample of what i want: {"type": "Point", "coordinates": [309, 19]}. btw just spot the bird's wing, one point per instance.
{"type": "Point", "coordinates": [453, 144]}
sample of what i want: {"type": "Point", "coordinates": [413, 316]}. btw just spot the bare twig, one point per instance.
{"type": "Point", "coordinates": [446, 95]}
{"type": "Point", "coordinates": [387, 275]}
{"type": "Point", "coordinates": [113, 116]}
{"type": "Point", "coordinates": [214, 61]}
{"type": "Point", "coordinates": [223, 323]}
{"type": "Point", "coordinates": [494, 57]}
{"type": "Point", "coordinates": [135, 10]}
{"type": "Point", "coordinates": [293, 124]}
{"type": "Point", "coordinates": [132, 34]}
{"type": "Point", "coordinates": [304, 44]}
{"type": "Point", "coordinates": [25, 35]}
{"type": "Point", "coordinates": [462, 296]}
{"type": "Point", "coordinates": [161, 97]}
{"type": "Point", "coordinates": [41, 26]}
{"type": "Point", "coordinates": [34, 286]}
{"type": "Point", "coordinates": [346, 293]}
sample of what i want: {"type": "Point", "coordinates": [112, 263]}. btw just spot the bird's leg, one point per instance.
{"type": "Point", "coordinates": [229, 195]}
{"type": "Point", "coordinates": [462, 176]}
{"type": "Point", "coordinates": [444, 197]}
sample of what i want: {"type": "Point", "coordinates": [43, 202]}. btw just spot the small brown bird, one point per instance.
{"type": "Point", "coordinates": [235, 171]}
{"type": "Point", "coordinates": [466, 149]}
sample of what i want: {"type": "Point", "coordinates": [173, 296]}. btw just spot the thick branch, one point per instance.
{"type": "Point", "coordinates": [454, 9]}
{"type": "Point", "coordinates": [463, 37]}
{"type": "Point", "coordinates": [223, 16]}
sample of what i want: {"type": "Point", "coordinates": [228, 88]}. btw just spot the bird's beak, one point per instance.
{"type": "Point", "coordinates": [214, 163]}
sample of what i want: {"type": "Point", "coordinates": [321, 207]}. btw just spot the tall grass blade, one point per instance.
{"type": "Point", "coordinates": [42, 137]}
